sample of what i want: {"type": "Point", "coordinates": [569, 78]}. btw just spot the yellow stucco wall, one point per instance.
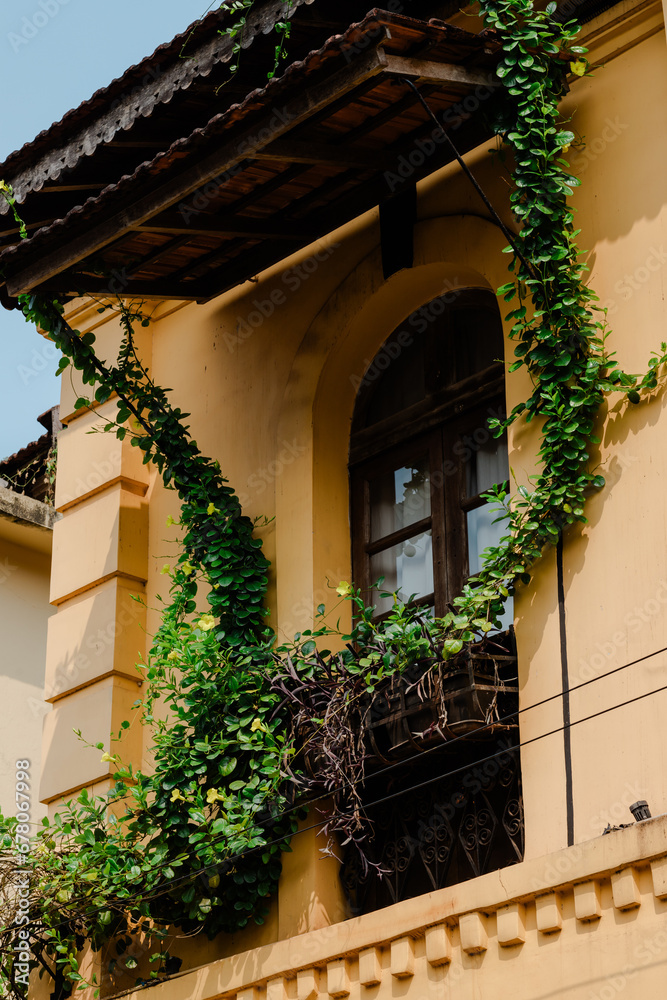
{"type": "Point", "coordinates": [269, 373]}
{"type": "Point", "coordinates": [25, 563]}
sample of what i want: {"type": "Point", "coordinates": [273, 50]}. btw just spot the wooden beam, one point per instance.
{"type": "Point", "coordinates": [155, 255]}
{"type": "Point", "coordinates": [265, 188]}
{"type": "Point", "coordinates": [84, 284]}
{"type": "Point", "coordinates": [15, 230]}
{"type": "Point", "coordinates": [292, 230]}
{"type": "Point", "coordinates": [439, 73]}
{"type": "Point", "coordinates": [201, 224]}
{"type": "Point", "coordinates": [273, 124]}
{"type": "Point", "coordinates": [331, 109]}
{"type": "Point", "coordinates": [319, 152]}
{"type": "Point", "coordinates": [50, 188]}
{"type": "Point", "coordinates": [470, 135]}
{"type": "Point", "coordinates": [387, 114]}
{"type": "Point", "coordinates": [140, 143]}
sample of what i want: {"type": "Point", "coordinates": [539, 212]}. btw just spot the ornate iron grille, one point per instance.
{"type": "Point", "coordinates": [450, 831]}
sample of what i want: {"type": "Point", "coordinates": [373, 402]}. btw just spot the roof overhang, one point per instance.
{"type": "Point", "coordinates": [338, 133]}
{"type": "Point", "coordinates": [26, 523]}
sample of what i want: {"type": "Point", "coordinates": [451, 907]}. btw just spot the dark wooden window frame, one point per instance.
{"type": "Point", "coordinates": [431, 426]}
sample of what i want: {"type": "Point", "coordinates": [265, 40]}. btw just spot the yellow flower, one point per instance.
{"type": "Point", "coordinates": [165, 569]}
{"type": "Point", "coordinates": [187, 568]}
{"type": "Point", "coordinates": [579, 67]}
{"type": "Point", "coordinates": [174, 655]}
{"type": "Point", "coordinates": [213, 795]}
{"type": "Point", "coordinates": [108, 758]}
{"type": "Point", "coordinates": [257, 724]}
{"type": "Point", "coordinates": [211, 509]}
{"type": "Point", "coordinates": [343, 588]}
{"type": "Point", "coordinates": [564, 149]}
{"type": "Point", "coordinates": [206, 623]}
{"type": "Point", "coordinates": [177, 796]}
{"type": "Point", "coordinates": [170, 521]}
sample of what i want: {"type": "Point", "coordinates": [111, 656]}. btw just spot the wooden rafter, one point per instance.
{"type": "Point", "coordinates": [271, 176]}
{"type": "Point", "coordinates": [442, 74]}
{"type": "Point", "coordinates": [295, 233]}
{"type": "Point", "coordinates": [201, 224]}
{"type": "Point", "coordinates": [270, 127]}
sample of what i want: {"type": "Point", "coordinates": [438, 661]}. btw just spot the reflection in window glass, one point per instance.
{"type": "Point", "coordinates": [397, 375]}
{"type": "Point", "coordinates": [478, 342]}
{"type": "Point", "coordinates": [482, 533]}
{"type": "Point", "coordinates": [487, 466]}
{"type": "Point", "coordinates": [406, 567]}
{"type": "Point", "coordinates": [399, 497]}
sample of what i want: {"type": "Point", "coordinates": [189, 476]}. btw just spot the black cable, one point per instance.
{"type": "Point", "coordinates": [500, 721]}
{"type": "Point", "coordinates": [466, 169]}
{"type": "Point", "coordinates": [440, 777]}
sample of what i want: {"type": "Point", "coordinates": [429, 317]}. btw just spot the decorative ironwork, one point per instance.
{"type": "Point", "coordinates": [452, 830]}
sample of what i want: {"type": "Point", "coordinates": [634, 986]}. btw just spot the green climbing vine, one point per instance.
{"type": "Point", "coordinates": [196, 840]}
{"type": "Point", "coordinates": [236, 32]}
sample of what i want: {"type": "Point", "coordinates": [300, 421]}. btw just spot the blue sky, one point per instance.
{"type": "Point", "coordinates": [53, 55]}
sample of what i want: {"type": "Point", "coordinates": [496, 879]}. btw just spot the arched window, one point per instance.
{"type": "Point", "coordinates": [421, 457]}
{"type": "Point", "coordinates": [421, 453]}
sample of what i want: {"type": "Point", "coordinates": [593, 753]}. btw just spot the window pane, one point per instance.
{"type": "Point", "coordinates": [482, 533]}
{"type": "Point", "coordinates": [398, 373]}
{"type": "Point", "coordinates": [406, 567]}
{"type": "Point", "coordinates": [488, 464]}
{"type": "Point", "coordinates": [399, 497]}
{"type": "Point", "coordinates": [477, 340]}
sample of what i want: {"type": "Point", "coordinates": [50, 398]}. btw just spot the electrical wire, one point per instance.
{"type": "Point", "coordinates": [511, 237]}
{"type": "Point", "coordinates": [306, 804]}
{"type": "Point", "coordinates": [192, 877]}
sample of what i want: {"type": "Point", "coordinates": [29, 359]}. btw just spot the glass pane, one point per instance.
{"type": "Point", "coordinates": [400, 497]}
{"type": "Point", "coordinates": [488, 464]}
{"type": "Point", "coordinates": [477, 339]}
{"type": "Point", "coordinates": [482, 533]}
{"type": "Point", "coordinates": [398, 373]}
{"type": "Point", "coordinates": [406, 567]}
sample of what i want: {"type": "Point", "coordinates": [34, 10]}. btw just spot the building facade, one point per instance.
{"type": "Point", "coordinates": [321, 385]}
{"type": "Point", "coordinates": [27, 516]}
